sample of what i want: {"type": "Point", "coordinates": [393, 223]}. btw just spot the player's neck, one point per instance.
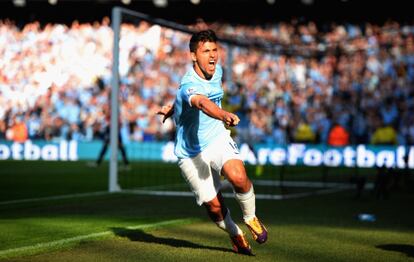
{"type": "Point", "coordinates": [201, 73]}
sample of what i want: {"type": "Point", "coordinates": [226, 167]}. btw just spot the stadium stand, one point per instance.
{"type": "Point", "coordinates": [358, 76]}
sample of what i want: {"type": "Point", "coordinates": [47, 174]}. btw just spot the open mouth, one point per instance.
{"type": "Point", "coordinates": [211, 64]}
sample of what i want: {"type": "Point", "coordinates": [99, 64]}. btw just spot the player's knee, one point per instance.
{"type": "Point", "coordinates": [234, 169]}
{"type": "Point", "coordinates": [237, 180]}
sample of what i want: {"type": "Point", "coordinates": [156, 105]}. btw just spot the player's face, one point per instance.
{"type": "Point", "coordinates": [205, 59]}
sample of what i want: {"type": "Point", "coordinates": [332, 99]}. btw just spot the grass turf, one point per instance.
{"type": "Point", "coordinates": [322, 228]}
{"type": "Point", "coordinates": [33, 179]}
{"type": "Point", "coordinates": [316, 228]}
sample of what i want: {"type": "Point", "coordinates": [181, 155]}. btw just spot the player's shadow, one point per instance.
{"type": "Point", "coordinates": [403, 248]}
{"type": "Point", "coordinates": [141, 236]}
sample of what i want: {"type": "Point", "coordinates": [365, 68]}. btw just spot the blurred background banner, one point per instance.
{"type": "Point", "coordinates": [294, 154]}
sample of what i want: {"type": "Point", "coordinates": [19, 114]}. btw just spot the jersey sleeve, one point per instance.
{"type": "Point", "coordinates": [189, 90]}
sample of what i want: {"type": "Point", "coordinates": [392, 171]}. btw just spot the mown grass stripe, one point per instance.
{"type": "Point", "coordinates": [39, 247]}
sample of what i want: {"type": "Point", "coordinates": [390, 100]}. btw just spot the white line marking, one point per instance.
{"type": "Point", "coordinates": [335, 187]}
{"type": "Point", "coordinates": [28, 200]}
{"type": "Point", "coordinates": [157, 192]}
{"type": "Point", "coordinates": [299, 195]}
{"type": "Point", "coordinates": [324, 188]}
{"type": "Point", "coordinates": [308, 184]}
{"type": "Point", "coordinates": [53, 244]}
{"type": "Point", "coordinates": [296, 183]}
{"type": "Point", "coordinates": [258, 196]}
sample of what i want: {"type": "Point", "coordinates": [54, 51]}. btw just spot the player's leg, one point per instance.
{"type": "Point", "coordinates": [235, 172]}
{"type": "Point", "coordinates": [206, 187]}
{"type": "Point", "coordinates": [229, 163]}
{"type": "Point", "coordinates": [232, 167]}
{"type": "Point", "coordinates": [220, 215]}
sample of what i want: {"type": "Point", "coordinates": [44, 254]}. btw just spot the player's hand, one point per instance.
{"type": "Point", "coordinates": [166, 111]}
{"type": "Point", "coordinates": [231, 119]}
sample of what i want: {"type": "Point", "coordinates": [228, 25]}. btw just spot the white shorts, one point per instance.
{"type": "Point", "coordinates": [203, 171]}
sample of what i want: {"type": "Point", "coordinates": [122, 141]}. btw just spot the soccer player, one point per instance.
{"type": "Point", "coordinates": [204, 147]}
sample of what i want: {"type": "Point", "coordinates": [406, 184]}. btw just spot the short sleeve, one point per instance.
{"type": "Point", "coordinates": [189, 90]}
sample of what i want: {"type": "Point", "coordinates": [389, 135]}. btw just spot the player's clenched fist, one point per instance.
{"type": "Point", "coordinates": [231, 119]}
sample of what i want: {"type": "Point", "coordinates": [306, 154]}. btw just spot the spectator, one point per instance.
{"type": "Point", "coordinates": [304, 133]}
{"type": "Point", "coordinates": [384, 135]}
{"type": "Point", "coordinates": [338, 136]}
{"type": "Point", "coordinates": [18, 131]}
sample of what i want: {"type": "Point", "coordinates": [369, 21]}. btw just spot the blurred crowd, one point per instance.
{"type": "Point", "coordinates": [336, 83]}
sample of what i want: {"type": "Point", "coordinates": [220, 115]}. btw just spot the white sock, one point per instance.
{"type": "Point", "coordinates": [247, 202]}
{"type": "Point", "coordinates": [229, 226]}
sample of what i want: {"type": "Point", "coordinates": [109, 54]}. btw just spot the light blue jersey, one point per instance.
{"type": "Point", "coordinates": [196, 130]}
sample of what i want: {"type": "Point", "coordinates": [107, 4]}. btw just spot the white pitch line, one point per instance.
{"type": "Point", "coordinates": [299, 195]}
{"type": "Point", "coordinates": [157, 192]}
{"type": "Point", "coordinates": [145, 191]}
{"type": "Point", "coordinates": [308, 184]}
{"type": "Point", "coordinates": [28, 200]}
{"type": "Point", "coordinates": [47, 245]}
{"type": "Point", "coordinates": [258, 196]}
{"type": "Point", "coordinates": [324, 188]}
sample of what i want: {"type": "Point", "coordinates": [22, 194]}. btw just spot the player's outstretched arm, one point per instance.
{"type": "Point", "coordinates": [211, 109]}
{"type": "Point", "coordinates": [166, 111]}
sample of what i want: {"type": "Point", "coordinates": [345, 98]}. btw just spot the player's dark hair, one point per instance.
{"type": "Point", "coordinates": [202, 37]}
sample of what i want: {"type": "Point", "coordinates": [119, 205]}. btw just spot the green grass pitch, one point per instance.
{"type": "Point", "coordinates": [128, 227]}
